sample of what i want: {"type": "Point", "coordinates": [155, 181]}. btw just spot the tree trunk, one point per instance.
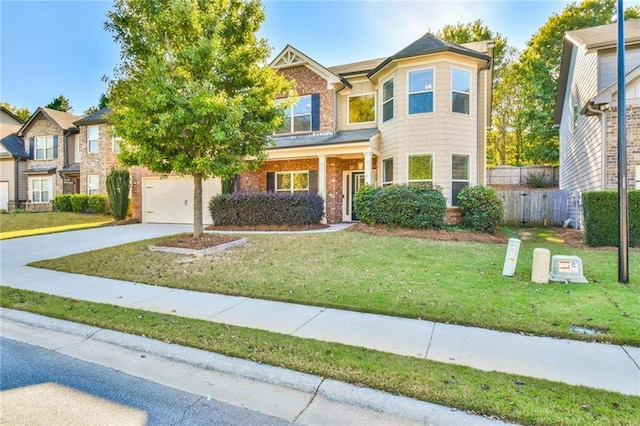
{"type": "Point", "coordinates": [198, 227]}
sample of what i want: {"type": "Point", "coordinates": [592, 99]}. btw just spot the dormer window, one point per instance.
{"type": "Point", "coordinates": [421, 91]}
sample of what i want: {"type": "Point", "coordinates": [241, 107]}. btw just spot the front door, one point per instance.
{"type": "Point", "coordinates": [352, 183]}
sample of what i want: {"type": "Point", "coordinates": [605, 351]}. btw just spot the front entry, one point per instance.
{"type": "Point", "coordinates": [352, 181]}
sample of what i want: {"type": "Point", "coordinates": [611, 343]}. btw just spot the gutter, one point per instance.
{"type": "Point", "coordinates": [603, 138]}
{"type": "Point", "coordinates": [345, 84]}
{"type": "Point", "coordinates": [479, 127]}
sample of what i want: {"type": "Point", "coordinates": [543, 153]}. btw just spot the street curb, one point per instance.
{"type": "Point", "coordinates": [332, 390]}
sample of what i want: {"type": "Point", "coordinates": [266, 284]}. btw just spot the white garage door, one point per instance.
{"type": "Point", "coordinates": [170, 199]}
{"type": "Point", "coordinates": [4, 195]}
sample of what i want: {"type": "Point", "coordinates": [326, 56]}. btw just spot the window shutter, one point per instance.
{"type": "Point", "coordinates": [315, 111]}
{"type": "Point", "coordinates": [313, 181]}
{"type": "Point", "coordinates": [271, 181]}
{"type": "Point", "coordinates": [32, 143]}
{"type": "Point", "coordinates": [55, 146]}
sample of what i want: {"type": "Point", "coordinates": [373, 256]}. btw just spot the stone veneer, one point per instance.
{"type": "Point", "coordinates": [633, 145]}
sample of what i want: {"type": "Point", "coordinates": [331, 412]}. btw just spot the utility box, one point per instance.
{"type": "Point", "coordinates": [541, 264]}
{"type": "Point", "coordinates": [511, 259]}
{"type": "Point", "coordinates": [567, 269]}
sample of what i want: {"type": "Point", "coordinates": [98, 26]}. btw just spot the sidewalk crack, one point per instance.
{"type": "Point", "coordinates": [433, 330]}
{"type": "Point", "coordinates": [313, 397]}
{"type": "Point", "coordinates": [630, 357]}
{"type": "Point", "coordinates": [322, 310]}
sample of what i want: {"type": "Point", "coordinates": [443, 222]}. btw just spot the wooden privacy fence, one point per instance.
{"type": "Point", "coordinates": [537, 207]}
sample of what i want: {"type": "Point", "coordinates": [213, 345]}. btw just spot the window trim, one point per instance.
{"type": "Point", "coordinates": [460, 92]}
{"type": "Point", "coordinates": [48, 139]}
{"type": "Point", "coordinates": [48, 180]}
{"type": "Point", "coordinates": [96, 189]}
{"type": "Point", "coordinates": [384, 179]}
{"type": "Point", "coordinates": [467, 180]}
{"type": "Point", "coordinates": [414, 181]}
{"type": "Point", "coordinates": [89, 151]}
{"type": "Point", "coordinates": [432, 91]}
{"type": "Point", "coordinates": [115, 141]}
{"type": "Point", "coordinates": [290, 113]}
{"type": "Point", "coordinates": [291, 173]}
{"type": "Point", "coordinates": [390, 100]}
{"type": "Point", "coordinates": [349, 108]}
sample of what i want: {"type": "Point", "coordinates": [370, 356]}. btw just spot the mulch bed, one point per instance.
{"type": "Point", "coordinates": [267, 228]}
{"type": "Point", "coordinates": [204, 242]}
{"type": "Point", "coordinates": [430, 234]}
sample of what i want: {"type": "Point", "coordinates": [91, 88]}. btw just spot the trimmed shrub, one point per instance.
{"type": "Point", "coordinates": [482, 210]}
{"type": "Point", "coordinates": [63, 203]}
{"type": "Point", "coordinates": [79, 203]}
{"type": "Point", "coordinates": [539, 180]}
{"type": "Point", "coordinates": [401, 205]}
{"type": "Point", "coordinates": [118, 185]}
{"type": "Point", "coordinates": [601, 218]}
{"type": "Point", "coordinates": [363, 203]}
{"type": "Point", "coordinates": [266, 208]}
{"type": "Point", "coordinates": [97, 204]}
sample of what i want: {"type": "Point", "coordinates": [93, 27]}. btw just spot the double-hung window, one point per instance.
{"type": "Point", "coordinates": [460, 91]}
{"type": "Point", "coordinates": [421, 91]}
{"type": "Point", "coordinates": [43, 147]}
{"type": "Point", "coordinates": [93, 184]}
{"type": "Point", "coordinates": [116, 142]}
{"type": "Point", "coordinates": [459, 176]}
{"type": "Point", "coordinates": [40, 189]}
{"type": "Point", "coordinates": [362, 109]}
{"type": "Point", "coordinates": [421, 170]}
{"type": "Point", "coordinates": [93, 139]}
{"type": "Point", "coordinates": [387, 171]}
{"type": "Point", "coordinates": [297, 116]}
{"type": "Point", "coordinates": [387, 100]}
{"type": "Point", "coordinates": [292, 181]}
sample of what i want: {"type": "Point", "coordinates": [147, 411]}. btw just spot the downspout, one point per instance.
{"type": "Point", "coordinates": [16, 194]}
{"type": "Point", "coordinates": [479, 127]}
{"type": "Point", "coordinates": [603, 146]}
{"type": "Point", "coordinates": [345, 84]}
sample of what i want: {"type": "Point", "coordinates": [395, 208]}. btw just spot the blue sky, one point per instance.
{"type": "Point", "coordinates": [54, 47]}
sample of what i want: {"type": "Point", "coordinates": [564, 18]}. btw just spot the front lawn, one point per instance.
{"type": "Point", "coordinates": [452, 282]}
{"type": "Point", "coordinates": [15, 225]}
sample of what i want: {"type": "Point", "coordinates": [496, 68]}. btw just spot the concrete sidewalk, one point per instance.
{"type": "Point", "coordinates": [609, 367]}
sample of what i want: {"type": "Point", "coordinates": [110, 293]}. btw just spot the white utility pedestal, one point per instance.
{"type": "Point", "coordinates": [567, 269]}
{"type": "Point", "coordinates": [541, 264]}
{"type": "Point", "coordinates": [511, 259]}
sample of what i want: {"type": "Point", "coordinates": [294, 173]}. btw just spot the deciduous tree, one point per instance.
{"type": "Point", "coordinates": [193, 94]}
{"type": "Point", "coordinates": [22, 113]}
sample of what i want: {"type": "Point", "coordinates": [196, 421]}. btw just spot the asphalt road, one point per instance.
{"type": "Point", "coordinates": [24, 365]}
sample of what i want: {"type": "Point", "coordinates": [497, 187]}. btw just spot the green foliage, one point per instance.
{"type": "Point", "coordinates": [61, 103]}
{"type": "Point", "coordinates": [481, 208]}
{"type": "Point", "coordinates": [539, 180]}
{"type": "Point", "coordinates": [63, 203]}
{"type": "Point", "coordinates": [22, 113]}
{"type": "Point", "coordinates": [228, 185]}
{"type": "Point", "coordinates": [401, 205]}
{"type": "Point", "coordinates": [102, 103]}
{"type": "Point", "coordinates": [601, 218]}
{"type": "Point", "coordinates": [194, 93]}
{"type": "Point", "coordinates": [267, 208]}
{"type": "Point", "coordinates": [118, 185]}
{"type": "Point", "coordinates": [79, 203]}
{"type": "Point", "coordinates": [97, 204]}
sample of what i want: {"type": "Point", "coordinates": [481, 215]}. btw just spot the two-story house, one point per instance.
{"type": "Point", "coordinates": [587, 112]}
{"type": "Point", "coordinates": [50, 138]}
{"type": "Point", "coordinates": [13, 159]}
{"type": "Point", "coordinates": [417, 117]}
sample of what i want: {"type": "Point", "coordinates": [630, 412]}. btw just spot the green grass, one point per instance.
{"type": "Point", "coordinates": [452, 282]}
{"type": "Point", "coordinates": [510, 397]}
{"type": "Point", "coordinates": [16, 225]}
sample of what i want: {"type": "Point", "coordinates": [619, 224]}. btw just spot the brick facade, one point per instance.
{"type": "Point", "coordinates": [99, 163]}
{"type": "Point", "coordinates": [633, 145]}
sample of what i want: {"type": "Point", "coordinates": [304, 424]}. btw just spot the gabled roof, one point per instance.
{"type": "Point", "coordinates": [63, 120]}
{"type": "Point", "coordinates": [11, 114]}
{"type": "Point", "coordinates": [429, 44]}
{"type": "Point", "coordinates": [99, 117]}
{"type": "Point", "coordinates": [292, 57]}
{"type": "Point", "coordinates": [354, 68]}
{"type": "Point", "coordinates": [15, 145]}
{"type": "Point", "coordinates": [591, 39]}
{"type": "Point", "coordinates": [606, 95]}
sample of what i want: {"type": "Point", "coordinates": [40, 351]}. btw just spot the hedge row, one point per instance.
{"type": "Point", "coordinates": [401, 205]}
{"type": "Point", "coordinates": [601, 218]}
{"type": "Point", "coordinates": [266, 208]}
{"type": "Point", "coordinates": [81, 203]}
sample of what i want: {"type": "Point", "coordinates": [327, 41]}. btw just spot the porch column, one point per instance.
{"type": "Point", "coordinates": [322, 183]}
{"type": "Point", "coordinates": [368, 168]}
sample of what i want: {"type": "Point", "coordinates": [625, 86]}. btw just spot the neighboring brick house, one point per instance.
{"type": "Point", "coordinates": [50, 138]}
{"type": "Point", "coordinates": [99, 149]}
{"type": "Point", "coordinates": [587, 114]}
{"type": "Point", "coordinates": [417, 117]}
{"type": "Point", "coordinates": [13, 161]}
